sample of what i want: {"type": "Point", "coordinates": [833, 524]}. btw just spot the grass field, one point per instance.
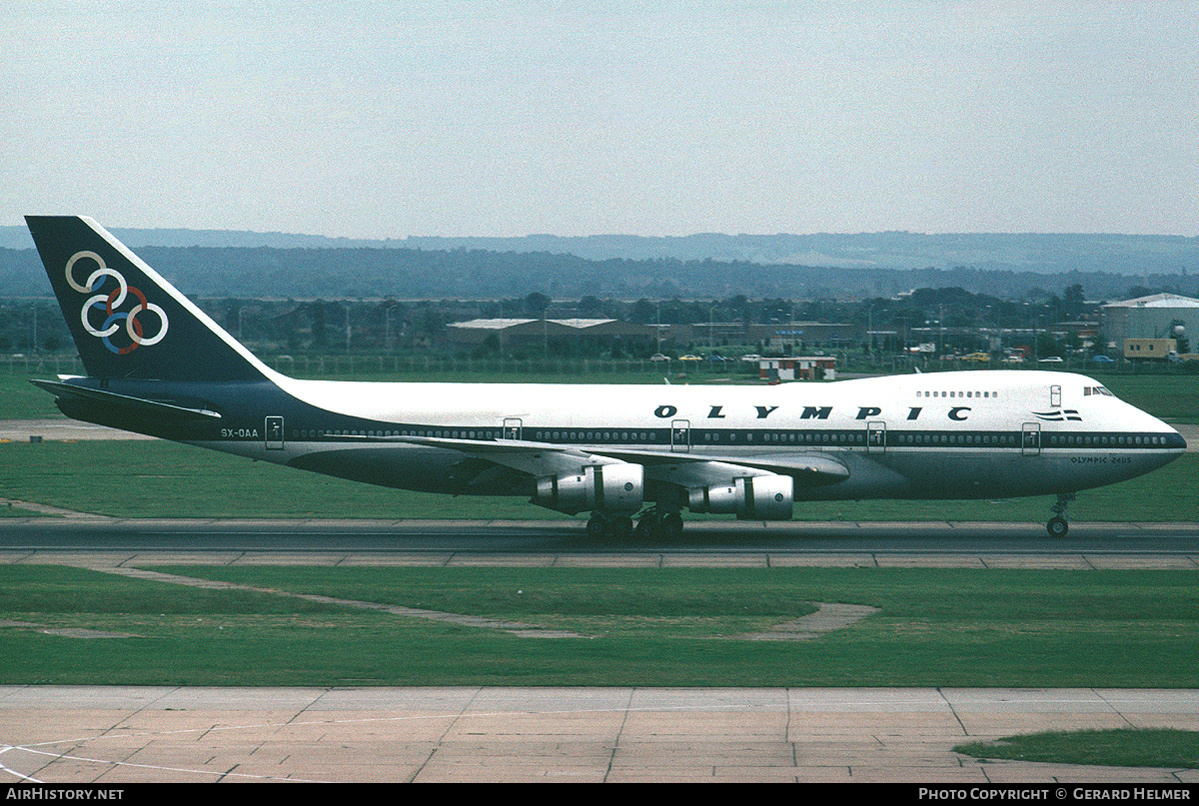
{"type": "Point", "coordinates": [651, 627]}
{"type": "Point", "coordinates": [21, 400]}
{"type": "Point", "coordinates": [1130, 747]}
{"type": "Point", "coordinates": [1173, 398]}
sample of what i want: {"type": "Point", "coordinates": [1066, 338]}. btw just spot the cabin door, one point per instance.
{"type": "Point", "coordinates": [680, 436]}
{"type": "Point", "coordinates": [273, 433]}
{"type": "Point", "coordinates": [1030, 439]}
{"type": "Point", "coordinates": [876, 437]}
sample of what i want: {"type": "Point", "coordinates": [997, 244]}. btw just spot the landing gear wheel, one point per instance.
{"type": "Point", "coordinates": [1057, 525]}
{"type": "Point", "coordinates": [672, 526]}
{"type": "Point", "coordinates": [605, 526]}
{"type": "Point", "coordinates": [620, 527]}
{"type": "Point", "coordinates": [649, 525]}
{"type": "Point", "coordinates": [597, 526]}
{"type": "Point", "coordinates": [654, 524]}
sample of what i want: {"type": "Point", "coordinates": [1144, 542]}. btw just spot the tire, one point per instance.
{"type": "Point", "coordinates": [1057, 527]}
{"type": "Point", "coordinates": [620, 527]}
{"type": "Point", "coordinates": [672, 526]}
{"type": "Point", "coordinates": [597, 526]}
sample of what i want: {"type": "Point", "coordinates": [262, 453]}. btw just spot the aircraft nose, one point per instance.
{"type": "Point", "coordinates": [1177, 440]}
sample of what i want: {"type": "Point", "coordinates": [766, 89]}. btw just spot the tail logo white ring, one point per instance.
{"type": "Point", "coordinates": [109, 301]}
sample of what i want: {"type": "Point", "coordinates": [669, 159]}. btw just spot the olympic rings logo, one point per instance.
{"type": "Point", "coordinates": [109, 301]}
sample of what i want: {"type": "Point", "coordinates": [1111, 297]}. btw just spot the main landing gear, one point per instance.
{"type": "Point", "coordinates": [657, 524]}
{"type": "Point", "coordinates": [609, 525]}
{"type": "Point", "coordinates": [1057, 525]}
{"type": "Point", "coordinates": [652, 524]}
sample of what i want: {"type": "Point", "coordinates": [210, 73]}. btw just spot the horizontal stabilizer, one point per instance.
{"type": "Point", "coordinates": [105, 397]}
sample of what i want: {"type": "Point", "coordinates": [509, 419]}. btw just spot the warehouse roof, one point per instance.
{"type": "Point", "coordinates": [1157, 301]}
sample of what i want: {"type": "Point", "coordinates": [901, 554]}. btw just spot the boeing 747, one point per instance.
{"type": "Point", "coordinates": [634, 456]}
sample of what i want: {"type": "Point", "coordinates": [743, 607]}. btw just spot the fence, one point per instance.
{"type": "Point", "coordinates": [44, 365]}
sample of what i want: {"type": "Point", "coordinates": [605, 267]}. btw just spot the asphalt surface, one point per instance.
{"type": "Point", "coordinates": [745, 543]}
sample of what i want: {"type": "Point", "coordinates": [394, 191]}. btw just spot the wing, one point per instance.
{"type": "Point", "coordinates": [686, 470]}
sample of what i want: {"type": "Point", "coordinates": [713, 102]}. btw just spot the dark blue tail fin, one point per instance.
{"type": "Point", "coordinates": [127, 321]}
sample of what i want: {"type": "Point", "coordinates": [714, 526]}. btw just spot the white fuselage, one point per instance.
{"type": "Point", "coordinates": [937, 435]}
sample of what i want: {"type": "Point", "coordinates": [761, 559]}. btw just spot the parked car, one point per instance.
{"type": "Point", "coordinates": [1102, 359]}
{"type": "Point", "coordinates": [1053, 359]}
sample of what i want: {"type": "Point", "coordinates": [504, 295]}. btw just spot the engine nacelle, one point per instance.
{"type": "Point", "coordinates": [610, 488]}
{"type": "Point", "coordinates": [754, 498]}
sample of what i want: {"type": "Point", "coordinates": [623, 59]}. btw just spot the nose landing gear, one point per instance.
{"type": "Point", "coordinates": [1057, 525]}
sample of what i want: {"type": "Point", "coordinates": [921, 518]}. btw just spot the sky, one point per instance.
{"type": "Point", "coordinates": [515, 117]}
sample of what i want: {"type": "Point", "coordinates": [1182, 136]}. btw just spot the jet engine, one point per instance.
{"type": "Point", "coordinates": [607, 488]}
{"type": "Point", "coordinates": [755, 498]}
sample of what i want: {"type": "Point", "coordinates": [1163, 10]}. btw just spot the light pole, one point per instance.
{"type": "Point", "coordinates": [390, 345]}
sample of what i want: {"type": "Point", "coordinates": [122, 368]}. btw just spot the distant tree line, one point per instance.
{"type": "Point", "coordinates": [391, 325]}
{"type": "Point", "coordinates": [376, 273]}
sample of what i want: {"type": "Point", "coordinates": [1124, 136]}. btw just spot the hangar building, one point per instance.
{"type": "Point", "coordinates": [1157, 316]}
{"type": "Point", "coordinates": [512, 333]}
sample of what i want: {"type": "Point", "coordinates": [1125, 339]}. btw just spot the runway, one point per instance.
{"type": "Point", "coordinates": [723, 543]}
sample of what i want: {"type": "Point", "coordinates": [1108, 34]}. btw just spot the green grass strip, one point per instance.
{"type": "Point", "coordinates": [650, 627]}
{"type": "Point", "coordinates": [1130, 747]}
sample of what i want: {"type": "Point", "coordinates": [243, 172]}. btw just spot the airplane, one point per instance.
{"type": "Point", "coordinates": [158, 365]}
